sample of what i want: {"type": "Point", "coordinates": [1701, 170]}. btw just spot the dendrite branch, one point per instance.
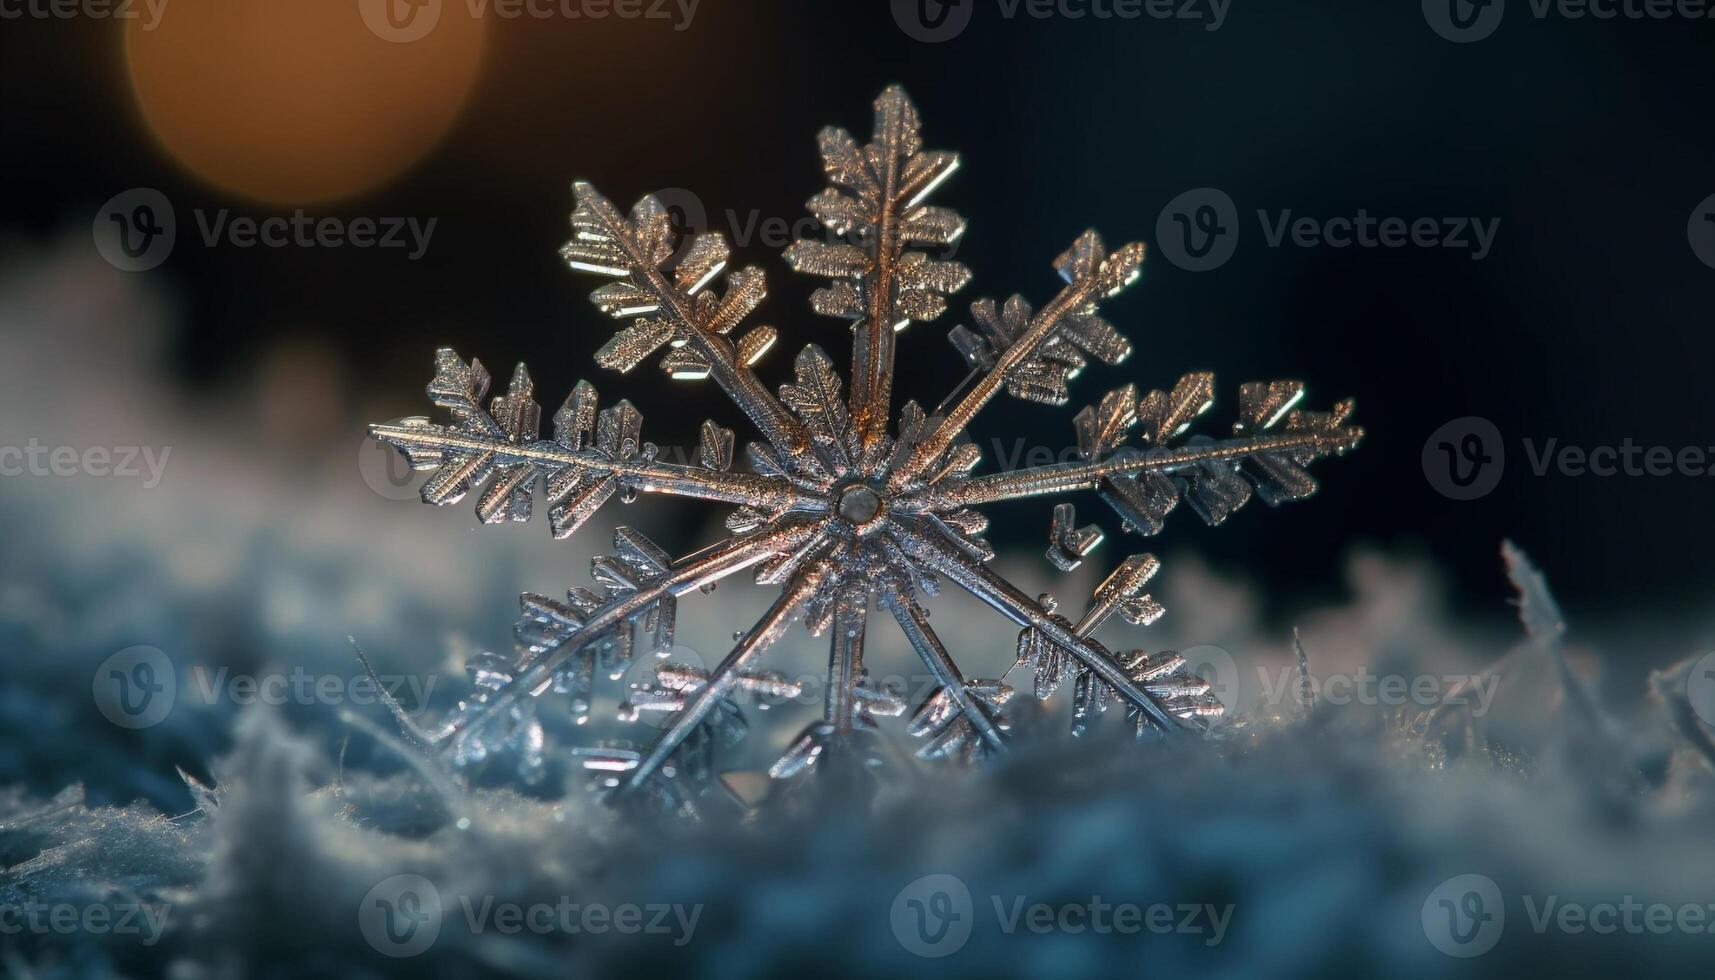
{"type": "Point", "coordinates": [767, 630]}
{"type": "Point", "coordinates": [762, 492]}
{"type": "Point", "coordinates": [914, 622]}
{"type": "Point", "coordinates": [1006, 599]}
{"type": "Point", "coordinates": [1062, 477]}
{"type": "Point", "coordinates": [959, 417]}
{"type": "Point", "coordinates": [704, 568]}
{"type": "Point", "coordinates": [845, 661]}
{"type": "Point", "coordinates": [1012, 350]}
{"type": "Point", "coordinates": [736, 379]}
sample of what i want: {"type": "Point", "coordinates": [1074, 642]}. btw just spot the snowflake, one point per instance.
{"type": "Point", "coordinates": [843, 514]}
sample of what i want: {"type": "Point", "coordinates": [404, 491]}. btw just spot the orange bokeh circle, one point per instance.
{"type": "Point", "coordinates": [300, 101]}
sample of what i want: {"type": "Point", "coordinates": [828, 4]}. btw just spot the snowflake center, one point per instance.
{"type": "Point", "coordinates": [859, 504]}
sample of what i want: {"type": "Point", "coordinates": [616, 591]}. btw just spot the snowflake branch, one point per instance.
{"type": "Point", "coordinates": [1006, 599]}
{"type": "Point", "coordinates": [608, 244]}
{"type": "Point", "coordinates": [845, 660]}
{"type": "Point", "coordinates": [1017, 345]}
{"type": "Point", "coordinates": [880, 282]}
{"type": "Point", "coordinates": [767, 630]}
{"type": "Point", "coordinates": [694, 572]}
{"type": "Point", "coordinates": [914, 622]}
{"type": "Point", "coordinates": [648, 476]}
{"type": "Point", "coordinates": [1061, 477]}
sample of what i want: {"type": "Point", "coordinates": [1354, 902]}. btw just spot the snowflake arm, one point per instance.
{"type": "Point", "coordinates": [680, 310]}
{"type": "Point", "coordinates": [594, 455]}
{"type": "Point", "coordinates": [1011, 602]}
{"type": "Point", "coordinates": [644, 475]}
{"type": "Point", "coordinates": [979, 725]}
{"type": "Point", "coordinates": [1274, 442]}
{"type": "Point", "coordinates": [553, 633]}
{"type": "Point", "coordinates": [770, 628]}
{"type": "Point", "coordinates": [875, 212]}
{"type": "Point", "coordinates": [1033, 355]}
{"type": "Point", "coordinates": [845, 661]}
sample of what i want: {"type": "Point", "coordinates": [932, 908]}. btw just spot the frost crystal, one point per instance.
{"type": "Point", "coordinates": [845, 514]}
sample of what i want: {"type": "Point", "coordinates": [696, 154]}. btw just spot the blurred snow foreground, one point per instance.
{"type": "Point", "coordinates": [1320, 835]}
{"type": "Point", "coordinates": [1316, 834]}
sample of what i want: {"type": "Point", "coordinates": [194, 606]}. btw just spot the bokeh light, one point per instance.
{"type": "Point", "coordinates": [298, 102]}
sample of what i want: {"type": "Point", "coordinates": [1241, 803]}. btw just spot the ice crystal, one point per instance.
{"type": "Point", "coordinates": [848, 507]}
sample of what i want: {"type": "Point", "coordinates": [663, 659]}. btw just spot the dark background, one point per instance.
{"type": "Point", "coordinates": [1589, 321]}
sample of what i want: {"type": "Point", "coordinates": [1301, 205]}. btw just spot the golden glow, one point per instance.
{"type": "Point", "coordinates": [298, 102]}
